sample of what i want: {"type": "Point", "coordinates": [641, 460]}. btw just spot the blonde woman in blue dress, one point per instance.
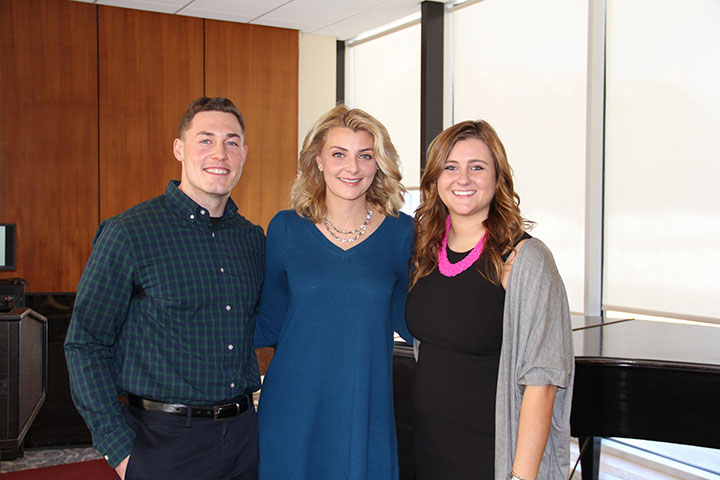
{"type": "Point", "coordinates": [334, 292]}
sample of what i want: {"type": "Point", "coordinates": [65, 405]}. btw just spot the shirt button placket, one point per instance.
{"type": "Point", "coordinates": [228, 308]}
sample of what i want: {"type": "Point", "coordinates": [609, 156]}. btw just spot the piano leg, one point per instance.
{"type": "Point", "coordinates": [590, 460]}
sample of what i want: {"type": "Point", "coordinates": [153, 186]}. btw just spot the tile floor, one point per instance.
{"type": "Point", "coordinates": [616, 463]}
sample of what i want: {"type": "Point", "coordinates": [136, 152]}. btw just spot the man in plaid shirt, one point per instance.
{"type": "Point", "coordinates": [164, 318]}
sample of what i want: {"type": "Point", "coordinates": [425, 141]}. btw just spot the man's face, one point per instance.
{"type": "Point", "coordinates": [212, 153]}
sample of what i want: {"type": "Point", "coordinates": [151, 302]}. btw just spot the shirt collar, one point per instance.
{"type": "Point", "coordinates": [187, 207]}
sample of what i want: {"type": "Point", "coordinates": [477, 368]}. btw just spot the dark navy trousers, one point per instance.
{"type": "Point", "coordinates": [176, 447]}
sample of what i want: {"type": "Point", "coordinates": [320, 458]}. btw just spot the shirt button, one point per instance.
{"type": "Point", "coordinates": [222, 270]}
{"type": "Point", "coordinates": [106, 457]}
{"type": "Point", "coordinates": [230, 347]}
{"type": "Point", "coordinates": [192, 217]}
{"type": "Point", "coordinates": [213, 234]}
{"type": "Point", "coordinates": [228, 307]}
{"type": "Point", "coordinates": [232, 385]}
{"type": "Point", "coordinates": [202, 212]}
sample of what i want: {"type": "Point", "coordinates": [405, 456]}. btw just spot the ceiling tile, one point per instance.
{"type": "Point", "coordinates": [243, 8]}
{"type": "Point", "coordinates": [165, 6]}
{"type": "Point", "coordinates": [369, 19]}
{"type": "Point", "coordinates": [308, 15]}
{"type": "Point", "coordinates": [228, 17]}
{"type": "Point", "coordinates": [342, 19]}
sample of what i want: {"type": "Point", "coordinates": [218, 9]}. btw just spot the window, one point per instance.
{"type": "Point", "coordinates": [526, 75]}
{"type": "Point", "coordinates": [662, 215]}
{"type": "Point", "coordinates": [386, 83]}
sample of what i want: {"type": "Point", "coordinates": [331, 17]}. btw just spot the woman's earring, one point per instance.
{"type": "Point", "coordinates": [319, 168]}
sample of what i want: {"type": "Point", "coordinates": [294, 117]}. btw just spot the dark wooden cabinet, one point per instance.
{"type": "Point", "coordinates": [23, 373]}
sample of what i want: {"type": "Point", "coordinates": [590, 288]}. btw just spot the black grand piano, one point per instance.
{"type": "Point", "coordinates": [634, 379]}
{"type": "Point", "coordinates": [647, 380]}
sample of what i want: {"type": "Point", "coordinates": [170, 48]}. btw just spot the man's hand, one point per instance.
{"type": "Point", "coordinates": [122, 466]}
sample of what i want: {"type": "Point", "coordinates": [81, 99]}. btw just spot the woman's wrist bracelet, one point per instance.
{"type": "Point", "coordinates": [515, 476]}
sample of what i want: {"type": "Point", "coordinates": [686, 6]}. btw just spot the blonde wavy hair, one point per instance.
{"type": "Point", "coordinates": [308, 191]}
{"type": "Point", "coordinates": [504, 224]}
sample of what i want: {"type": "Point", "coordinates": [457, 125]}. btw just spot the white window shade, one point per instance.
{"type": "Point", "coordinates": [662, 158]}
{"type": "Point", "coordinates": [386, 84]}
{"type": "Point", "coordinates": [522, 66]}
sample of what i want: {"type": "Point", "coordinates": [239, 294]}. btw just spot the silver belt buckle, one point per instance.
{"type": "Point", "coordinates": [220, 408]}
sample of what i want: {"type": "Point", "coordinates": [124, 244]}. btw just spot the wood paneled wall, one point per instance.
{"type": "Point", "coordinates": [90, 99]}
{"type": "Point", "coordinates": [236, 66]}
{"type": "Point", "coordinates": [150, 69]}
{"type": "Point", "coordinates": [49, 137]}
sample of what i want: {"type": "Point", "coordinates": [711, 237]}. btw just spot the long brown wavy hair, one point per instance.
{"type": "Point", "coordinates": [308, 191]}
{"type": "Point", "coordinates": [504, 224]}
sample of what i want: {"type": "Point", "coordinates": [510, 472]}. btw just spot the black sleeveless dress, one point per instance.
{"type": "Point", "coordinates": [458, 321]}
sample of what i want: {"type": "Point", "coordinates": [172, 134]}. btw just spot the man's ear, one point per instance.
{"type": "Point", "coordinates": [178, 150]}
{"type": "Point", "coordinates": [245, 149]}
{"type": "Point", "coordinates": [244, 158]}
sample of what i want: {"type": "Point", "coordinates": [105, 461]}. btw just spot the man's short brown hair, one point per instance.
{"type": "Point", "coordinates": [208, 104]}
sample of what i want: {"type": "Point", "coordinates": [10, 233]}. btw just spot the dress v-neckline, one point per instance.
{"type": "Point", "coordinates": [333, 247]}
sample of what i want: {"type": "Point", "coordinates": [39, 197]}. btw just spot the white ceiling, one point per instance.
{"type": "Point", "coordinates": [342, 19]}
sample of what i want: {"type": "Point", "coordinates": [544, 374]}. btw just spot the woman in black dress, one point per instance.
{"type": "Point", "coordinates": [469, 233]}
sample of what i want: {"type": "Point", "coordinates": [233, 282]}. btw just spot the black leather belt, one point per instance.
{"type": "Point", "coordinates": [216, 412]}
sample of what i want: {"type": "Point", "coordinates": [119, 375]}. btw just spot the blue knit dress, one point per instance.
{"type": "Point", "coordinates": [326, 408]}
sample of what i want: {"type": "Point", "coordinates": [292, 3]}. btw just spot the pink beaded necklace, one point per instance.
{"type": "Point", "coordinates": [452, 269]}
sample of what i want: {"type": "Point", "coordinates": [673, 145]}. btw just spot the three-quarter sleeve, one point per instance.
{"type": "Point", "coordinates": [275, 291]}
{"type": "Point", "coordinates": [400, 291]}
{"type": "Point", "coordinates": [547, 356]}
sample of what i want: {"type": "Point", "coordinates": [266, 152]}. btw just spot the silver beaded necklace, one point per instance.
{"type": "Point", "coordinates": [359, 232]}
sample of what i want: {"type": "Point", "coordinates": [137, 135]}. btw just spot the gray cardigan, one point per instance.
{"type": "Point", "coordinates": [537, 349]}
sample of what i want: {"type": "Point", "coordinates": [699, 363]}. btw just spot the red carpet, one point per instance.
{"type": "Point", "coordinates": [93, 470]}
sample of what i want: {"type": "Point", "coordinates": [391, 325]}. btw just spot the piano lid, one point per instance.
{"type": "Point", "coordinates": [646, 340]}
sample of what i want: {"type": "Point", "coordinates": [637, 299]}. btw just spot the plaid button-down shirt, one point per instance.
{"type": "Point", "coordinates": [164, 310]}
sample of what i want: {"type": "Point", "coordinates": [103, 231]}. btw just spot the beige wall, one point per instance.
{"type": "Point", "coordinates": [316, 80]}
